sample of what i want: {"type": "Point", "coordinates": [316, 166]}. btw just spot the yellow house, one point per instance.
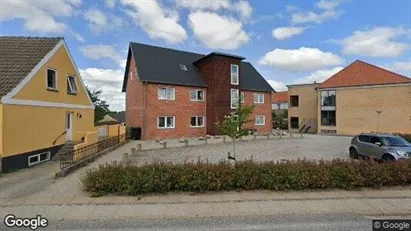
{"type": "Point", "coordinates": [359, 98]}
{"type": "Point", "coordinates": [43, 101]}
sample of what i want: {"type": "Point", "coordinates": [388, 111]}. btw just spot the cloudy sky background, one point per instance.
{"type": "Point", "coordinates": [288, 42]}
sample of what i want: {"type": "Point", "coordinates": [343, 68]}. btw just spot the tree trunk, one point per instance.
{"type": "Point", "coordinates": [234, 148]}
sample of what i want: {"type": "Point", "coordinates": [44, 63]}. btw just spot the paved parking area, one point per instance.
{"type": "Point", "coordinates": [313, 147]}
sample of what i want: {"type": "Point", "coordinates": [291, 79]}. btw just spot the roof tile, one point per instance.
{"type": "Point", "coordinates": [360, 73]}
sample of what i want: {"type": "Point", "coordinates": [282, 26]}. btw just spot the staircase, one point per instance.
{"type": "Point", "coordinates": [306, 125]}
{"type": "Point", "coordinates": [67, 147]}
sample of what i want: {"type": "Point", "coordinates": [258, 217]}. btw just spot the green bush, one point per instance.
{"type": "Point", "coordinates": [247, 175]}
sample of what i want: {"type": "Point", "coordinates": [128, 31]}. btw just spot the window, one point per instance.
{"type": "Point", "coordinates": [328, 98]}
{"type": "Point", "coordinates": [275, 106]}
{"type": "Point", "coordinates": [197, 121]}
{"type": "Point", "coordinates": [234, 74]}
{"type": "Point", "coordinates": [284, 106]}
{"type": "Point", "coordinates": [363, 138]}
{"type": "Point", "coordinates": [328, 118]}
{"type": "Point", "coordinates": [183, 67]}
{"type": "Point", "coordinates": [38, 158]}
{"type": "Point", "coordinates": [130, 74]}
{"type": "Point", "coordinates": [197, 95]}
{"type": "Point", "coordinates": [71, 85]}
{"type": "Point", "coordinates": [294, 122]}
{"type": "Point", "coordinates": [166, 93]}
{"type": "Point", "coordinates": [259, 120]}
{"type": "Point", "coordinates": [166, 122]}
{"type": "Point", "coordinates": [51, 79]}
{"type": "Point", "coordinates": [258, 98]}
{"type": "Point", "coordinates": [374, 140]}
{"type": "Point", "coordinates": [234, 98]}
{"type": "Point", "coordinates": [242, 97]}
{"type": "Point", "coordinates": [294, 101]}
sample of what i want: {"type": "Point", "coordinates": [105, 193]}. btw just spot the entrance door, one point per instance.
{"type": "Point", "coordinates": [69, 126]}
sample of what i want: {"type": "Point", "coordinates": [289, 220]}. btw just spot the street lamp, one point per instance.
{"type": "Point", "coordinates": [378, 119]}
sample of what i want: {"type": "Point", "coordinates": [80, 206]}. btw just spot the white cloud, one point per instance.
{"type": "Point", "coordinates": [278, 86]}
{"type": "Point", "coordinates": [400, 67]}
{"type": "Point", "coordinates": [103, 51]}
{"type": "Point", "coordinates": [377, 42]}
{"type": "Point", "coordinates": [217, 32]}
{"type": "Point", "coordinates": [78, 36]}
{"type": "Point", "coordinates": [109, 81]}
{"type": "Point", "coordinates": [38, 16]}
{"type": "Point", "coordinates": [213, 5]}
{"type": "Point", "coordinates": [156, 21]}
{"type": "Point", "coordinates": [307, 17]}
{"type": "Point", "coordinates": [302, 59]}
{"type": "Point", "coordinates": [327, 4]}
{"type": "Point", "coordinates": [242, 7]}
{"type": "Point", "coordinates": [318, 76]}
{"type": "Point", "coordinates": [99, 22]}
{"type": "Point", "coordinates": [282, 33]}
{"type": "Point", "coordinates": [110, 3]}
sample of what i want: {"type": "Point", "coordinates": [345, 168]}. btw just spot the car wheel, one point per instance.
{"type": "Point", "coordinates": [353, 153]}
{"type": "Point", "coordinates": [388, 159]}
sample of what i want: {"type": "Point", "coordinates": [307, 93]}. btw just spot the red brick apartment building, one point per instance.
{"type": "Point", "coordinates": [173, 94]}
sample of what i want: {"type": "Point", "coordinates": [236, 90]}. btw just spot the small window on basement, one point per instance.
{"type": "Point", "coordinates": [183, 67]}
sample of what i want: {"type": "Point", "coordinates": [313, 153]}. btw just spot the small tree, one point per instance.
{"type": "Point", "coordinates": [100, 106]}
{"type": "Point", "coordinates": [233, 124]}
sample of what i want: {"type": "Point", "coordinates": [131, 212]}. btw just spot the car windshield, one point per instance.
{"type": "Point", "coordinates": [394, 141]}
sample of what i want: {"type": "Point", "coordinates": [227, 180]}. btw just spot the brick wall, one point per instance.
{"type": "Point", "coordinates": [216, 72]}
{"type": "Point", "coordinates": [182, 108]}
{"type": "Point", "coordinates": [135, 103]}
{"type": "Point", "coordinates": [259, 109]}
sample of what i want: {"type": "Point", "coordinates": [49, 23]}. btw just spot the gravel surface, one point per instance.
{"type": "Point", "coordinates": [313, 147]}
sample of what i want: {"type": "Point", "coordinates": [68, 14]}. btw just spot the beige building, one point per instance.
{"type": "Point", "coordinates": [360, 98]}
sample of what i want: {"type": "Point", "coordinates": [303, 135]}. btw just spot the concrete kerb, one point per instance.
{"type": "Point", "coordinates": [67, 170]}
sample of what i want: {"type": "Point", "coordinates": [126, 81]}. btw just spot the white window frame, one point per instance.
{"type": "Point", "coordinates": [70, 86]}
{"type": "Point", "coordinates": [196, 91]}
{"type": "Point", "coordinates": [233, 74]}
{"type": "Point", "coordinates": [38, 156]}
{"type": "Point", "coordinates": [130, 74]}
{"type": "Point", "coordinates": [255, 120]}
{"type": "Point", "coordinates": [196, 126]}
{"type": "Point", "coordinates": [167, 88]}
{"type": "Point", "coordinates": [256, 96]}
{"type": "Point", "coordinates": [165, 122]}
{"type": "Point", "coordinates": [231, 97]}
{"type": "Point", "coordinates": [55, 78]}
{"type": "Point", "coordinates": [242, 96]}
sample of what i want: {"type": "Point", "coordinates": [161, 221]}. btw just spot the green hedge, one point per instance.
{"type": "Point", "coordinates": [248, 175]}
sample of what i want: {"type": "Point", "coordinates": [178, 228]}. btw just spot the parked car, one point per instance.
{"type": "Point", "coordinates": [382, 147]}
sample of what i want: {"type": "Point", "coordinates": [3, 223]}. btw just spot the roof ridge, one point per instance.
{"type": "Point", "coordinates": [166, 48]}
{"type": "Point", "coordinates": [29, 37]}
{"type": "Point", "coordinates": [392, 72]}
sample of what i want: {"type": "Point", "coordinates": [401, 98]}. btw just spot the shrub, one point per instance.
{"type": "Point", "coordinates": [247, 175]}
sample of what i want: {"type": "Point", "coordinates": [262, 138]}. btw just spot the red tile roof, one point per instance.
{"type": "Point", "coordinates": [360, 73]}
{"type": "Point", "coordinates": [280, 97]}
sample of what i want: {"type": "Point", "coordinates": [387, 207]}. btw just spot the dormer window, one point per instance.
{"type": "Point", "coordinates": [183, 67]}
{"type": "Point", "coordinates": [234, 74]}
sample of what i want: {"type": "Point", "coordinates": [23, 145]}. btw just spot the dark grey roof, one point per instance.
{"type": "Point", "coordinates": [162, 65]}
{"type": "Point", "coordinates": [18, 56]}
{"type": "Point", "coordinates": [120, 117]}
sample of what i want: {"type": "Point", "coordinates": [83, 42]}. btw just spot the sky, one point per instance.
{"type": "Point", "coordinates": [288, 42]}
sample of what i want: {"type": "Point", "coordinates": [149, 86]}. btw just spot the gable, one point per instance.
{"type": "Point", "coordinates": [32, 90]}
{"type": "Point", "coordinates": [360, 73]}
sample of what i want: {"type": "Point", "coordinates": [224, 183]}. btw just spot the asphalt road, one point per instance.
{"type": "Point", "coordinates": [281, 222]}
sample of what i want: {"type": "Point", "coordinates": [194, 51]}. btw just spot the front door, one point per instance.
{"type": "Point", "coordinates": [69, 126]}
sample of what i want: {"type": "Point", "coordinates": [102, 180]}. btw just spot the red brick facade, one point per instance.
{"type": "Point", "coordinates": [143, 106]}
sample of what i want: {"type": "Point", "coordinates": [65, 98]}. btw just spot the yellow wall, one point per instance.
{"type": "Point", "coordinates": [89, 138]}
{"type": "Point", "coordinates": [1, 132]}
{"type": "Point", "coordinates": [36, 89]}
{"type": "Point", "coordinates": [28, 128]}
{"type": "Point", "coordinates": [356, 110]}
{"type": "Point", "coordinates": [307, 107]}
